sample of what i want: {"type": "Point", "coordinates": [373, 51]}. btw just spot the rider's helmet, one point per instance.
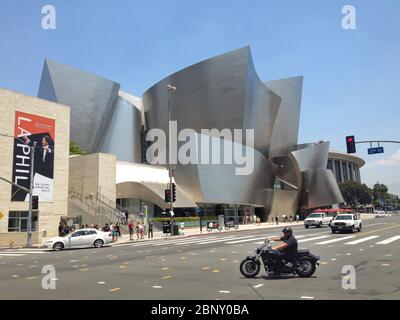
{"type": "Point", "coordinates": [288, 232]}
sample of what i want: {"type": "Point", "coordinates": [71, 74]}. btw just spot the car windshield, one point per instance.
{"type": "Point", "coordinates": [343, 218]}
{"type": "Point", "coordinates": [314, 215]}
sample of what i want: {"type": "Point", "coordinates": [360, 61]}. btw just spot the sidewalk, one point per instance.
{"type": "Point", "coordinates": [195, 232]}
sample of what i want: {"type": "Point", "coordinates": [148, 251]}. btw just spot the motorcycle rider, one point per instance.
{"type": "Point", "coordinates": [288, 249]}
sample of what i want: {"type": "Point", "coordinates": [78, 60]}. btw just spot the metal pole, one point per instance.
{"type": "Point", "coordinates": [170, 89]}
{"type": "Point", "coordinates": [31, 186]}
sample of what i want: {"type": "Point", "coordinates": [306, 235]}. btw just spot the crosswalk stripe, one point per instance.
{"type": "Point", "coordinates": [27, 252]}
{"type": "Point", "coordinates": [246, 240]}
{"type": "Point", "coordinates": [254, 239]}
{"type": "Point", "coordinates": [185, 241]}
{"type": "Point", "coordinates": [335, 240]}
{"type": "Point", "coordinates": [225, 239]}
{"type": "Point", "coordinates": [362, 240]}
{"type": "Point", "coordinates": [389, 240]}
{"type": "Point", "coordinates": [12, 254]}
{"type": "Point", "coordinates": [311, 239]}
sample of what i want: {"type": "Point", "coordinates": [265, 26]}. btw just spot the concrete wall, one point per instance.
{"type": "Point", "coordinates": [49, 213]}
{"type": "Point", "coordinates": [93, 173]}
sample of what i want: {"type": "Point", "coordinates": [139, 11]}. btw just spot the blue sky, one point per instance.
{"type": "Point", "coordinates": [351, 81]}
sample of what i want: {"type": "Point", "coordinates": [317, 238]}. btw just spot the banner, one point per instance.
{"type": "Point", "coordinates": [31, 130]}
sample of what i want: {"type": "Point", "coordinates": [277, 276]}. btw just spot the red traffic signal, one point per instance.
{"type": "Point", "coordinates": [351, 144]}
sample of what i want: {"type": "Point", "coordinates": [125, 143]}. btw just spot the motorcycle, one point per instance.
{"type": "Point", "coordinates": [303, 264]}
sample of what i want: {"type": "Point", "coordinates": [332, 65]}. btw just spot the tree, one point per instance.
{"type": "Point", "coordinates": [75, 149]}
{"type": "Point", "coordinates": [355, 194]}
{"type": "Point", "coordinates": [380, 194]}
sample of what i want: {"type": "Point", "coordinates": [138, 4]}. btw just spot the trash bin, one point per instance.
{"type": "Point", "coordinates": [176, 230]}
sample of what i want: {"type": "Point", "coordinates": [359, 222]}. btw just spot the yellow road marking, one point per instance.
{"type": "Point", "coordinates": [165, 269]}
{"type": "Point", "coordinates": [183, 258]}
{"type": "Point", "coordinates": [205, 268]}
{"type": "Point", "coordinates": [386, 264]}
{"type": "Point", "coordinates": [30, 278]}
{"type": "Point", "coordinates": [115, 289]}
{"type": "Point", "coordinates": [223, 259]}
{"type": "Point", "coordinates": [122, 267]}
{"type": "Point", "coordinates": [166, 277]}
{"type": "Point", "coordinates": [215, 271]}
{"type": "Point", "coordinates": [86, 269]}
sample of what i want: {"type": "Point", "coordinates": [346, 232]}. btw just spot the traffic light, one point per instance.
{"type": "Point", "coordinates": [35, 202]}
{"type": "Point", "coordinates": [173, 192]}
{"type": "Point", "coordinates": [351, 144]}
{"type": "Point", "coordinates": [167, 195]}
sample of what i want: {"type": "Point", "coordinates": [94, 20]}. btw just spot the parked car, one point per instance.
{"type": "Point", "coordinates": [318, 220]}
{"type": "Point", "coordinates": [84, 238]}
{"type": "Point", "coordinates": [347, 222]}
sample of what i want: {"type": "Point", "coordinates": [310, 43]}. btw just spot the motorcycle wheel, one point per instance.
{"type": "Point", "coordinates": [305, 268]}
{"type": "Point", "coordinates": [249, 268]}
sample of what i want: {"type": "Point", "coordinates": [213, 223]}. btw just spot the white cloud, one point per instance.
{"type": "Point", "coordinates": [393, 160]}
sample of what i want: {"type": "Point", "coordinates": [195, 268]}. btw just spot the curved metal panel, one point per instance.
{"type": "Point", "coordinates": [286, 128]}
{"type": "Point", "coordinates": [123, 138]}
{"type": "Point", "coordinates": [90, 97]}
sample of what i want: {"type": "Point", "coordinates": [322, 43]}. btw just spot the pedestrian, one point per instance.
{"type": "Point", "coordinates": [114, 233]}
{"type": "Point", "coordinates": [276, 220]}
{"type": "Point", "coordinates": [118, 230]}
{"type": "Point", "coordinates": [60, 229]}
{"type": "Point", "coordinates": [137, 230]}
{"type": "Point", "coordinates": [126, 215]}
{"type": "Point", "coordinates": [182, 227]}
{"type": "Point", "coordinates": [297, 218]}
{"type": "Point", "coordinates": [284, 218]}
{"type": "Point", "coordinates": [131, 227]}
{"type": "Point", "coordinates": [150, 225]}
{"type": "Point", "coordinates": [141, 231]}
{"type": "Point", "coordinates": [87, 226]}
{"type": "Point", "coordinates": [106, 228]}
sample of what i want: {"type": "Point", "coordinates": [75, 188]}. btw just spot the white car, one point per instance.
{"type": "Point", "coordinates": [347, 222]}
{"type": "Point", "coordinates": [83, 238]}
{"type": "Point", "coordinates": [318, 220]}
{"type": "Point", "coordinates": [380, 214]}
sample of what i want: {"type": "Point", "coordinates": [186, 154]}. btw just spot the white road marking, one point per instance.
{"type": "Point", "coordinates": [258, 285]}
{"type": "Point", "coordinates": [389, 240]}
{"type": "Point", "coordinates": [157, 287]}
{"type": "Point", "coordinates": [361, 240]}
{"type": "Point", "coordinates": [222, 240]}
{"type": "Point", "coordinates": [306, 297]}
{"type": "Point", "coordinates": [311, 239]}
{"type": "Point", "coordinates": [335, 240]}
{"type": "Point", "coordinates": [12, 254]}
{"type": "Point", "coordinates": [224, 291]}
{"type": "Point", "coordinates": [246, 240]}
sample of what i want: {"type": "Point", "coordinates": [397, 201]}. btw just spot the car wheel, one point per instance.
{"type": "Point", "coordinates": [320, 225]}
{"type": "Point", "coordinates": [306, 226]}
{"type": "Point", "coordinates": [333, 231]}
{"type": "Point", "coordinates": [98, 243]}
{"type": "Point", "coordinates": [58, 246]}
{"type": "Point", "coordinates": [353, 229]}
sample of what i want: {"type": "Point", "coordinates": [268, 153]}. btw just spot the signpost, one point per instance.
{"type": "Point", "coordinates": [376, 150]}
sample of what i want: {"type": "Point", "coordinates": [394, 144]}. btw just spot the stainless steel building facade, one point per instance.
{"type": "Point", "coordinates": [223, 92]}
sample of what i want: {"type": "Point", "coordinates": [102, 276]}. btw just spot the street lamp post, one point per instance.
{"type": "Point", "coordinates": [31, 185]}
{"type": "Point", "coordinates": [170, 89]}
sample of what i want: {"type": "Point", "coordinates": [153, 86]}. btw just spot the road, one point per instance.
{"type": "Point", "coordinates": [207, 268]}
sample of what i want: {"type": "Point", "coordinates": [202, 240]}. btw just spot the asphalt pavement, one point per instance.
{"type": "Point", "coordinates": [207, 268]}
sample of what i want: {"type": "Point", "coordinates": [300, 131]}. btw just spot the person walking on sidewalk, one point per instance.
{"type": "Point", "coordinates": [131, 228]}
{"type": "Point", "coordinates": [297, 218]}
{"type": "Point", "coordinates": [141, 231]}
{"type": "Point", "coordinates": [150, 225]}
{"type": "Point", "coordinates": [276, 220]}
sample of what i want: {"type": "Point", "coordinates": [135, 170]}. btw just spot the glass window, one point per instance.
{"type": "Point", "coordinates": [78, 233]}
{"type": "Point", "coordinates": [330, 165]}
{"type": "Point", "coordinates": [18, 221]}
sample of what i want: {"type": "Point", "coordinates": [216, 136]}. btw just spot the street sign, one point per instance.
{"type": "Point", "coordinates": [376, 150]}
{"type": "Point", "coordinates": [1, 215]}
